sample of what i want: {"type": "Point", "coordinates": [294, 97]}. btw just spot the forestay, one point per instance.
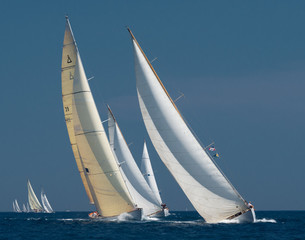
{"type": "Point", "coordinates": [89, 141]}
{"type": "Point", "coordinates": [139, 190]}
{"type": "Point", "coordinates": [206, 187]}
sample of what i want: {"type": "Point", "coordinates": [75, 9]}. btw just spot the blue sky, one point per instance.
{"type": "Point", "coordinates": [240, 65]}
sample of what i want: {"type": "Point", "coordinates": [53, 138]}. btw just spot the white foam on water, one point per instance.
{"type": "Point", "coordinates": [124, 217]}
{"type": "Point", "coordinates": [227, 221]}
{"type": "Point", "coordinates": [265, 220]}
{"type": "Point", "coordinates": [148, 219]}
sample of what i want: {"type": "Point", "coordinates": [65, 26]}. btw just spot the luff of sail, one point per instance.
{"type": "Point", "coordinates": [212, 195]}
{"type": "Point", "coordinates": [138, 188]}
{"type": "Point", "coordinates": [105, 183]}
{"type": "Point", "coordinates": [148, 173]}
{"type": "Point", "coordinates": [33, 200]}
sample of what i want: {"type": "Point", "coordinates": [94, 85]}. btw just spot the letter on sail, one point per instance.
{"type": "Point", "coordinates": [95, 160]}
{"type": "Point", "coordinates": [206, 187]}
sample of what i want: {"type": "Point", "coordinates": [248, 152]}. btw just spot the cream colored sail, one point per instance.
{"type": "Point", "coordinates": [90, 145]}
{"type": "Point", "coordinates": [33, 200]}
{"type": "Point", "coordinates": [139, 190]}
{"type": "Point", "coordinates": [206, 187]}
{"type": "Point", "coordinates": [69, 55]}
{"type": "Point", "coordinates": [148, 173]}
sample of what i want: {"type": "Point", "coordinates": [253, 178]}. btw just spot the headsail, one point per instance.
{"type": "Point", "coordinates": [148, 173]}
{"type": "Point", "coordinates": [23, 208]}
{"type": "Point", "coordinates": [33, 201]}
{"type": "Point", "coordinates": [45, 203]}
{"type": "Point", "coordinates": [16, 206]}
{"type": "Point", "coordinates": [206, 187]}
{"type": "Point", "coordinates": [96, 162]}
{"type": "Point", "coordinates": [140, 190]}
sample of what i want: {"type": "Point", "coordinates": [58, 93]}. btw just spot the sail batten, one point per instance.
{"type": "Point", "coordinates": [212, 195]}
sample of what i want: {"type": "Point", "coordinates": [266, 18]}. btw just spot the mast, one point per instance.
{"type": "Point", "coordinates": [96, 162]}
{"type": "Point", "coordinates": [206, 187]}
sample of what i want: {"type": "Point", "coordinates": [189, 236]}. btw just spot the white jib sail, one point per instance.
{"type": "Point", "coordinates": [17, 208]}
{"type": "Point", "coordinates": [88, 138]}
{"type": "Point", "coordinates": [148, 173]}
{"type": "Point", "coordinates": [23, 208]}
{"type": "Point", "coordinates": [33, 200]}
{"type": "Point", "coordinates": [206, 187]}
{"type": "Point", "coordinates": [45, 203]}
{"type": "Point", "coordinates": [140, 190]}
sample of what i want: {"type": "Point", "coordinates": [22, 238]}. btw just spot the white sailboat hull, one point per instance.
{"type": "Point", "coordinates": [163, 213]}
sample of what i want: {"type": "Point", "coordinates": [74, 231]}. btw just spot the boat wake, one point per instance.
{"type": "Point", "coordinates": [265, 220]}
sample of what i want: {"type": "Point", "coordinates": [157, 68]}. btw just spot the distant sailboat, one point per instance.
{"type": "Point", "coordinates": [96, 162]}
{"type": "Point", "coordinates": [210, 192]}
{"type": "Point", "coordinates": [16, 206]}
{"type": "Point", "coordinates": [24, 208]}
{"type": "Point", "coordinates": [137, 185]}
{"type": "Point", "coordinates": [45, 203]}
{"type": "Point", "coordinates": [33, 200]}
{"type": "Point", "coordinates": [149, 175]}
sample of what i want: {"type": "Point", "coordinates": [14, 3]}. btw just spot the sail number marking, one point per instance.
{"type": "Point", "coordinates": [68, 59]}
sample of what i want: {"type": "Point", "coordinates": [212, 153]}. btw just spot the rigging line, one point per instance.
{"type": "Point", "coordinates": [182, 95]}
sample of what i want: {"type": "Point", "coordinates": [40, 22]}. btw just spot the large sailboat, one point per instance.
{"type": "Point", "coordinates": [210, 192]}
{"type": "Point", "coordinates": [95, 160]}
{"type": "Point", "coordinates": [149, 176]}
{"type": "Point", "coordinates": [137, 185]}
{"type": "Point", "coordinates": [34, 203]}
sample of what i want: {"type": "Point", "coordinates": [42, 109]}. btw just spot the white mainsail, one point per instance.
{"type": "Point", "coordinates": [140, 190]}
{"type": "Point", "coordinates": [16, 206]}
{"type": "Point", "coordinates": [45, 203]}
{"type": "Point", "coordinates": [96, 162]}
{"type": "Point", "coordinates": [27, 207]}
{"type": "Point", "coordinates": [148, 173]}
{"type": "Point", "coordinates": [23, 208]}
{"type": "Point", "coordinates": [33, 200]}
{"type": "Point", "coordinates": [210, 192]}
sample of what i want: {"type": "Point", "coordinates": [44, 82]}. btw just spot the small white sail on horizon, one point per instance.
{"type": "Point", "coordinates": [34, 203]}
{"type": "Point", "coordinates": [139, 189]}
{"type": "Point", "coordinates": [24, 208]}
{"type": "Point", "coordinates": [16, 206]}
{"type": "Point", "coordinates": [96, 162]}
{"type": "Point", "coordinates": [45, 203]}
{"type": "Point", "coordinates": [209, 191]}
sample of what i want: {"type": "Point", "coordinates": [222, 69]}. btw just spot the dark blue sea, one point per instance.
{"type": "Point", "coordinates": [179, 225]}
